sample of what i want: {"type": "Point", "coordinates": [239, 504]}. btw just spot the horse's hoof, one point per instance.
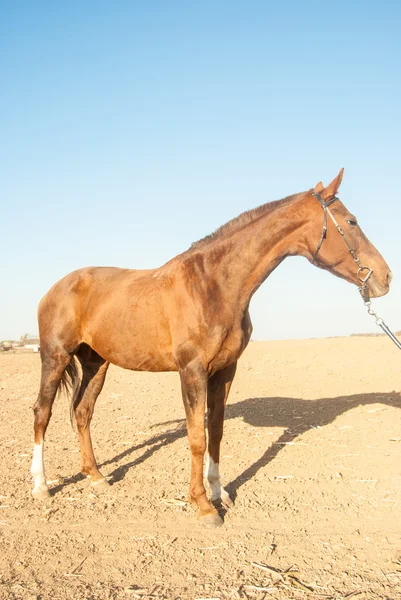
{"type": "Point", "coordinates": [226, 500]}
{"type": "Point", "coordinates": [100, 485]}
{"type": "Point", "coordinates": [42, 494]}
{"type": "Point", "coordinates": [211, 521]}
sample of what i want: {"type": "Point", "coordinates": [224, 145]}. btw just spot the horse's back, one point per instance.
{"type": "Point", "coordinates": [83, 283]}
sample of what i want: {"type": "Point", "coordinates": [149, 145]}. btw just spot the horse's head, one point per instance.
{"type": "Point", "coordinates": [338, 249]}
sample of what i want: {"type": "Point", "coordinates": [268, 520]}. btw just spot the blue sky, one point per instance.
{"type": "Point", "coordinates": [131, 129]}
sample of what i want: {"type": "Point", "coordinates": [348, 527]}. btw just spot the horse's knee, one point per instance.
{"type": "Point", "coordinates": [197, 444]}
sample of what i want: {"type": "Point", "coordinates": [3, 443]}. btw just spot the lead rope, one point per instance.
{"type": "Point", "coordinates": [382, 324]}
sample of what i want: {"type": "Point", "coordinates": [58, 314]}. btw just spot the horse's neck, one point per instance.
{"type": "Point", "coordinates": [243, 261]}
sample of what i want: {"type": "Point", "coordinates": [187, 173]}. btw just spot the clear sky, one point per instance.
{"type": "Point", "coordinates": [131, 129]}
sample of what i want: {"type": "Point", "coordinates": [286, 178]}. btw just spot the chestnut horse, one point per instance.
{"type": "Point", "coordinates": [191, 316]}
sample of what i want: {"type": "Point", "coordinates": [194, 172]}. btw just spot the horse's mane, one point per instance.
{"type": "Point", "coordinates": [244, 219]}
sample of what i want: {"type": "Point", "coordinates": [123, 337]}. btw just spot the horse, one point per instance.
{"type": "Point", "coordinates": [191, 315]}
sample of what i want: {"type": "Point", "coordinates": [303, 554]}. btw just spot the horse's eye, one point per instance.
{"type": "Point", "coordinates": [352, 222]}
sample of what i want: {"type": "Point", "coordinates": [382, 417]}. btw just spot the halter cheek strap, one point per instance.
{"type": "Point", "coordinates": [325, 206]}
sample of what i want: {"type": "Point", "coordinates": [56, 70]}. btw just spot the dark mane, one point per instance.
{"type": "Point", "coordinates": [244, 219]}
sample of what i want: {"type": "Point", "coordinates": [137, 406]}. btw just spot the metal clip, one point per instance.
{"type": "Point", "coordinates": [381, 323]}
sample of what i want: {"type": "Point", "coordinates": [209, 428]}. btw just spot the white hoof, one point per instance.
{"type": "Point", "coordinates": [41, 494]}
{"type": "Point", "coordinates": [226, 500]}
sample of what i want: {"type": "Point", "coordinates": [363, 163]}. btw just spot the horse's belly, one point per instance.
{"type": "Point", "coordinates": [135, 350]}
{"type": "Point", "coordinates": [150, 362]}
{"type": "Point", "coordinates": [137, 359]}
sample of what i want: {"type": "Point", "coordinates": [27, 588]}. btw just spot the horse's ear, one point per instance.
{"type": "Point", "coordinates": [332, 188]}
{"type": "Point", "coordinates": [319, 187]}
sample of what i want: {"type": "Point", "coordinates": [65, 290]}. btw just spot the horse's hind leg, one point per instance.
{"type": "Point", "coordinates": [219, 386]}
{"type": "Point", "coordinates": [53, 366]}
{"type": "Point", "coordinates": [94, 369]}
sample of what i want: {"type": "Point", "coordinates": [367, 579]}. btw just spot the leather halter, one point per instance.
{"type": "Point", "coordinates": [364, 290]}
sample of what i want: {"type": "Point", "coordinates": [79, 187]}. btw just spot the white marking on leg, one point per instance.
{"type": "Point", "coordinates": [213, 477]}
{"type": "Point", "coordinates": [38, 471]}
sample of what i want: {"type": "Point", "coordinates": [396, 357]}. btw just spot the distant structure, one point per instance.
{"type": "Point", "coordinates": [396, 333]}
{"type": "Point", "coordinates": [30, 342]}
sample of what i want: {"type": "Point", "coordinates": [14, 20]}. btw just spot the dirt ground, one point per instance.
{"type": "Point", "coordinates": [311, 455]}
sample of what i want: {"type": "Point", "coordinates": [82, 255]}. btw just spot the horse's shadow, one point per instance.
{"type": "Point", "coordinates": [295, 415]}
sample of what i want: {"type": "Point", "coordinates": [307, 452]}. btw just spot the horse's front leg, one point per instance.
{"type": "Point", "coordinates": [194, 389]}
{"type": "Point", "coordinates": [218, 389]}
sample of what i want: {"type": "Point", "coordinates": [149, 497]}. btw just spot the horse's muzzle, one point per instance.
{"type": "Point", "coordinates": [377, 288]}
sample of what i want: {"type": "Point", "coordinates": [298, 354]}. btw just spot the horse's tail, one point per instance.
{"type": "Point", "coordinates": [70, 384]}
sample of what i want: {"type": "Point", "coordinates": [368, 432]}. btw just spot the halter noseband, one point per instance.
{"type": "Point", "coordinates": [364, 290]}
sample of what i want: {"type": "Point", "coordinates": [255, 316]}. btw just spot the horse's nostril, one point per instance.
{"type": "Point", "coordinates": [389, 277]}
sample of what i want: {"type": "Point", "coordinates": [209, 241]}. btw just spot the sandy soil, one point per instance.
{"type": "Point", "coordinates": [310, 454]}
